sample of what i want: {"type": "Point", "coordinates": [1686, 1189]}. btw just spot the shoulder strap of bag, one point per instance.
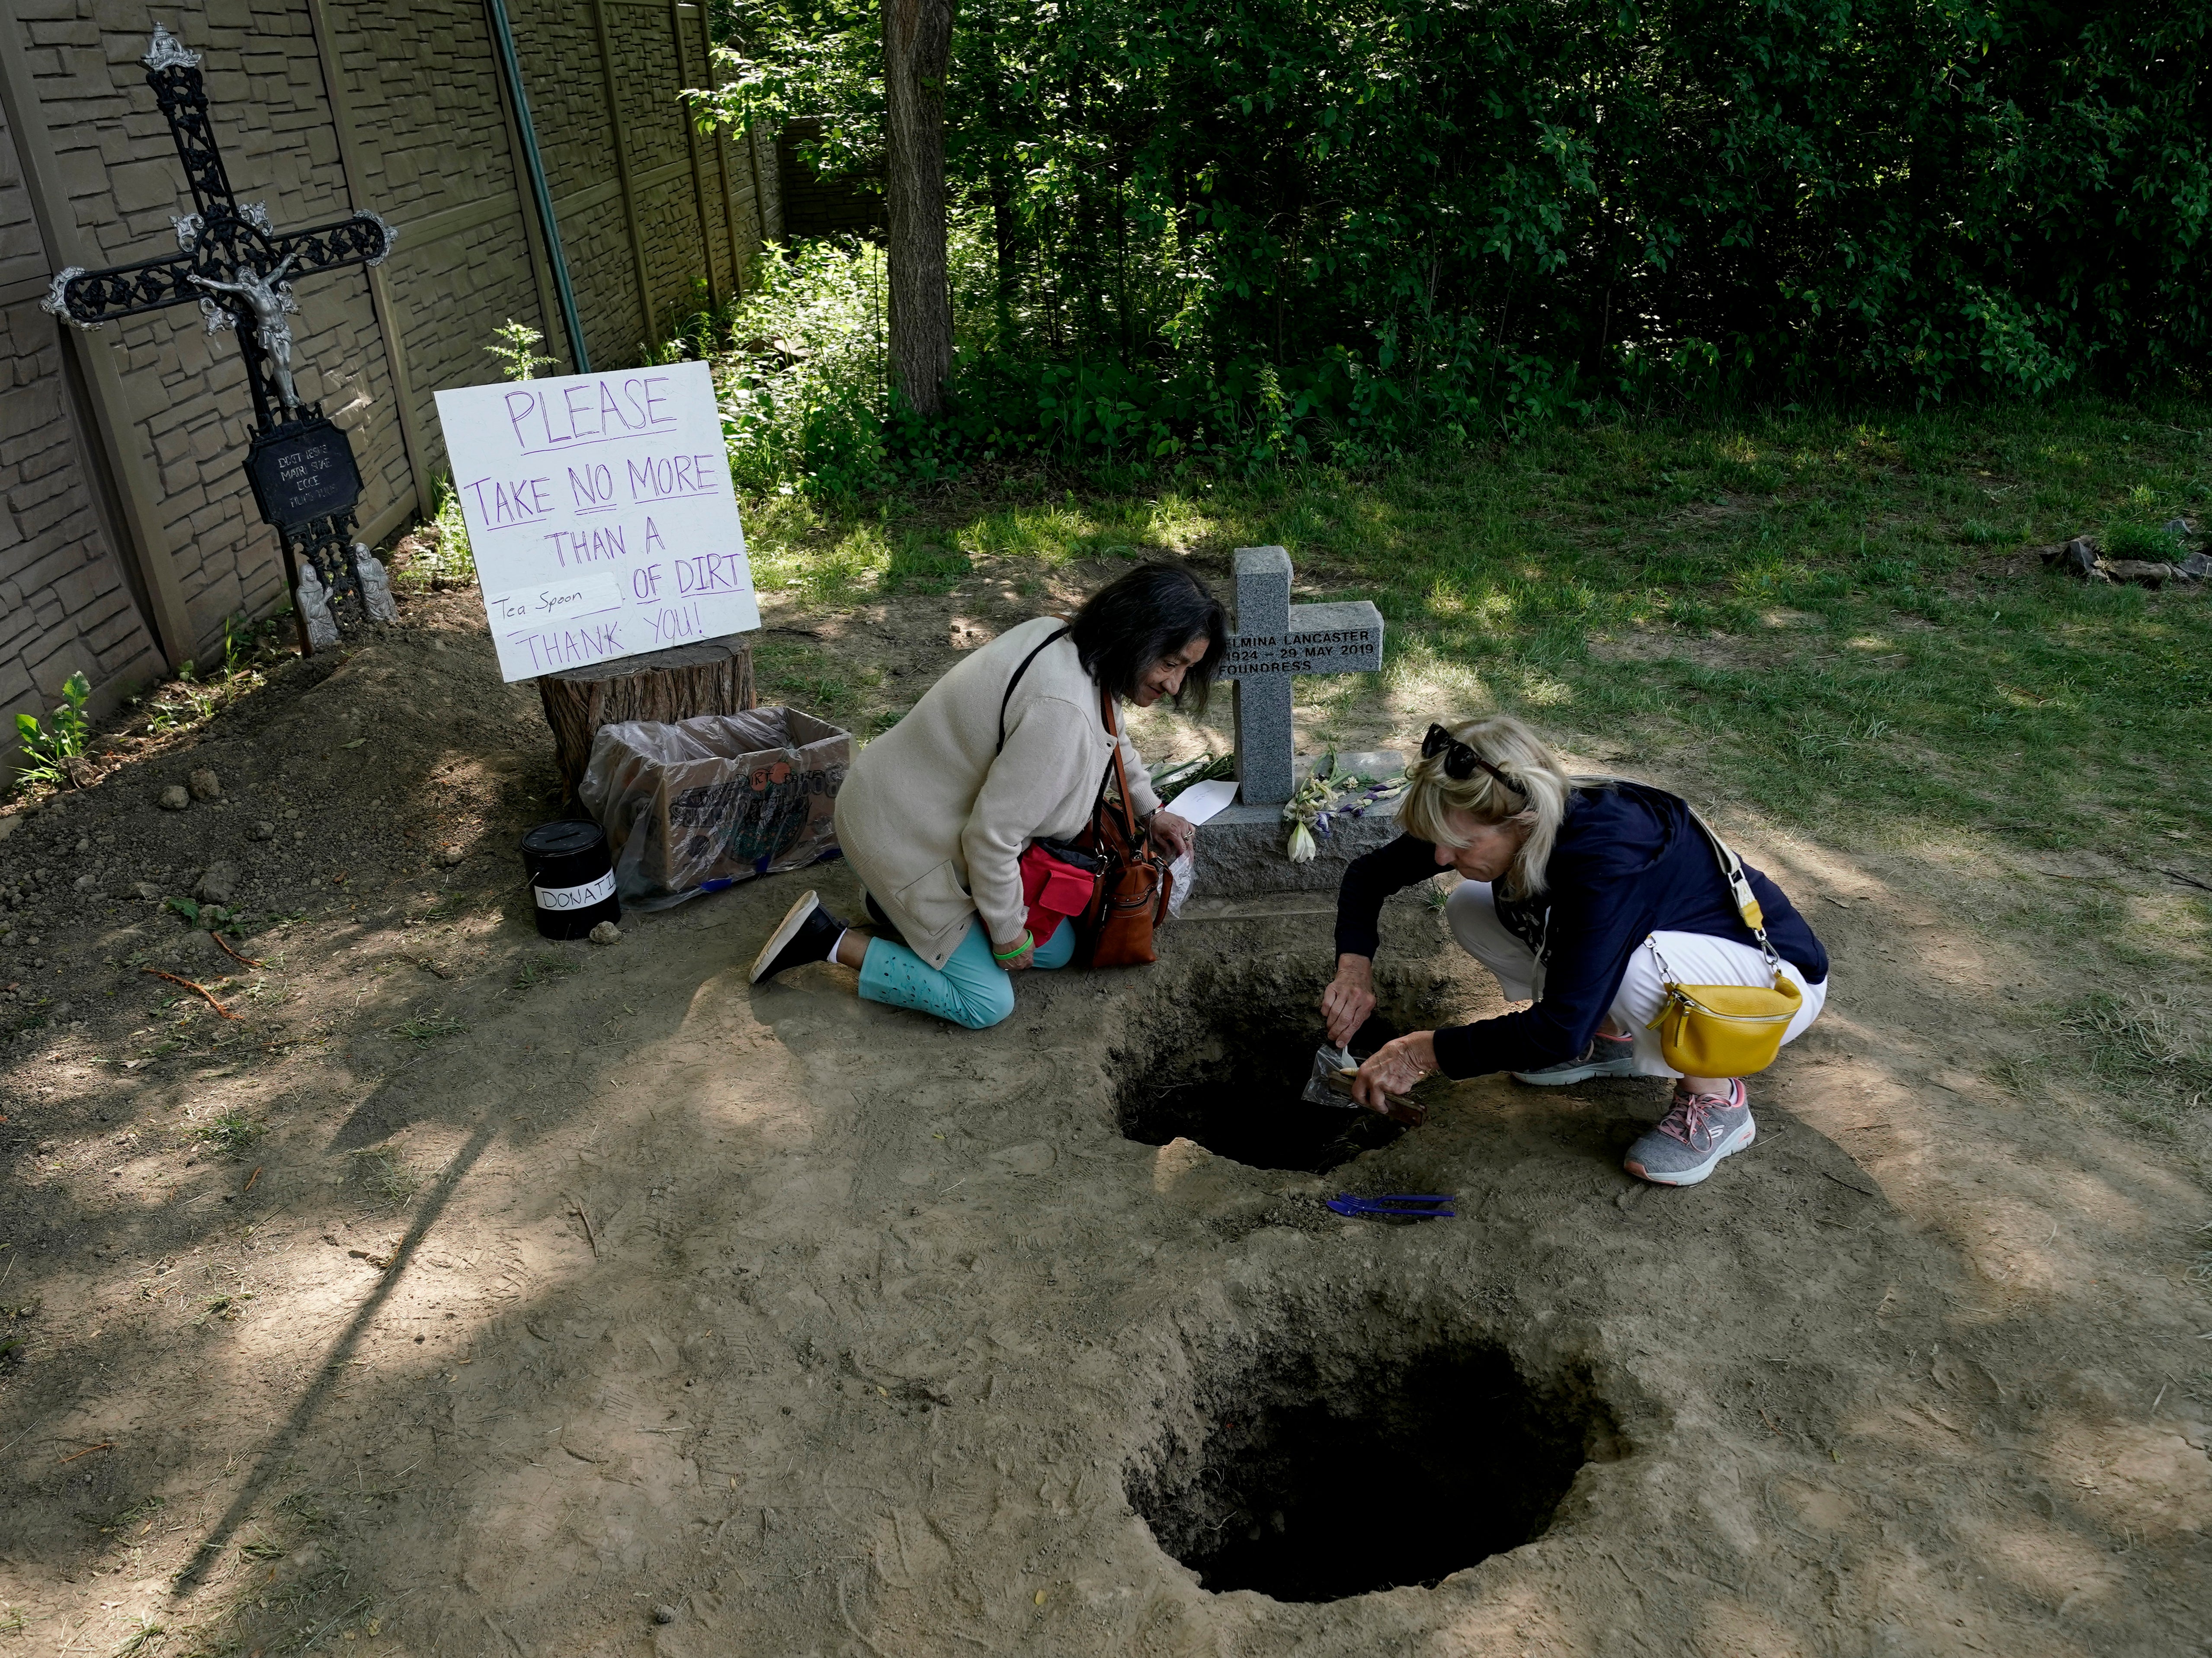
{"type": "Point", "coordinates": [1739, 885]}
{"type": "Point", "coordinates": [1120, 774]}
{"type": "Point", "coordinates": [1017, 680]}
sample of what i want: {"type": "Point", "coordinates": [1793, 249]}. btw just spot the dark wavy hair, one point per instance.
{"type": "Point", "coordinates": [1137, 619]}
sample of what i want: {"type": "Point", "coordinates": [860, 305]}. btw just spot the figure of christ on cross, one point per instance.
{"type": "Point", "coordinates": [269, 299]}
{"type": "Point", "coordinates": [239, 268]}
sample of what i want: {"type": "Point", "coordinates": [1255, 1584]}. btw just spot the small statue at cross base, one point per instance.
{"type": "Point", "coordinates": [375, 586]}
{"type": "Point", "coordinates": [315, 608]}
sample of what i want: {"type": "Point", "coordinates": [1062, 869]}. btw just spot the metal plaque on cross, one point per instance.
{"type": "Point", "coordinates": [1276, 641]}
{"type": "Point", "coordinates": [238, 269]}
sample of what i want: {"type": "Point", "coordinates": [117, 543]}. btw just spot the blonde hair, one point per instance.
{"type": "Point", "coordinates": [1431, 795]}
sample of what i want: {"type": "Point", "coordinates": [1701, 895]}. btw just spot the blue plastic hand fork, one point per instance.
{"type": "Point", "coordinates": [1412, 1206]}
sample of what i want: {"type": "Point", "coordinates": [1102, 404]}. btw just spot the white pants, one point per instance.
{"type": "Point", "coordinates": [1696, 958]}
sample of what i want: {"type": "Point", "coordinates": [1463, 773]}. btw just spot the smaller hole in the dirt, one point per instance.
{"type": "Point", "coordinates": [1226, 1065]}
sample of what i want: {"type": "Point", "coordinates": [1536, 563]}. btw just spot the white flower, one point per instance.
{"type": "Point", "coordinates": [1302, 844]}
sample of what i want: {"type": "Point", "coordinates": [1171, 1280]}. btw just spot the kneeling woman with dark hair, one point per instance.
{"type": "Point", "coordinates": [1008, 749]}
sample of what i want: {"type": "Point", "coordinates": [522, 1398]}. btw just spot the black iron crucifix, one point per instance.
{"type": "Point", "coordinates": [239, 268]}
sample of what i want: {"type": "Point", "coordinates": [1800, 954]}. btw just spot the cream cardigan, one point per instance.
{"type": "Point", "coordinates": [935, 821]}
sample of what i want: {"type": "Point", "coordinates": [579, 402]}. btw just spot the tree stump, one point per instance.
{"type": "Point", "coordinates": [713, 677]}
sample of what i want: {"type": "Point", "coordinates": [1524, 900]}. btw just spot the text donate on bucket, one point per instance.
{"type": "Point", "coordinates": [601, 514]}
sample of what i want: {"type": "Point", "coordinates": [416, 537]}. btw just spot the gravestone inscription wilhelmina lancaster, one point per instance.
{"type": "Point", "coordinates": [1241, 848]}
{"type": "Point", "coordinates": [239, 268]}
{"type": "Point", "coordinates": [1274, 641]}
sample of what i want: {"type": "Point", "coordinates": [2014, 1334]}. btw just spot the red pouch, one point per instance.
{"type": "Point", "coordinates": [1054, 889]}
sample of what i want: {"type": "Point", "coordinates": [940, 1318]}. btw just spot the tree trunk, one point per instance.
{"type": "Point", "coordinates": [917, 51]}
{"type": "Point", "coordinates": [1005, 256]}
{"type": "Point", "coordinates": [713, 677]}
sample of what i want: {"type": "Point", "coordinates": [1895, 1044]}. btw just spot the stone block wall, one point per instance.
{"type": "Point", "coordinates": [185, 405]}
{"type": "Point", "coordinates": [840, 204]}
{"type": "Point", "coordinates": [66, 604]}
{"type": "Point", "coordinates": [636, 189]}
{"type": "Point", "coordinates": [129, 535]}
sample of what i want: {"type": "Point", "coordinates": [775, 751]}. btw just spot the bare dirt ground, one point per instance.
{"type": "Point", "coordinates": [471, 1294]}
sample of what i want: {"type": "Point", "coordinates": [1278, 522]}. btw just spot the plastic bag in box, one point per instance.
{"type": "Point", "coordinates": [699, 805]}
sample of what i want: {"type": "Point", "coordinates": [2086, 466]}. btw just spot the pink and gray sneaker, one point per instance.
{"type": "Point", "coordinates": [1698, 1131]}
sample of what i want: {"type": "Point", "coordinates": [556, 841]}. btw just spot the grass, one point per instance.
{"type": "Point", "coordinates": [231, 1134]}
{"type": "Point", "coordinates": [2147, 1049]}
{"type": "Point", "coordinates": [539, 970]}
{"type": "Point", "coordinates": [1836, 618]}
{"type": "Point", "coordinates": [388, 1181]}
{"type": "Point", "coordinates": [428, 1027]}
{"type": "Point", "coordinates": [439, 552]}
{"type": "Point", "coordinates": [2151, 542]}
{"type": "Point", "coordinates": [806, 676]}
{"type": "Point", "coordinates": [225, 1308]}
{"type": "Point", "coordinates": [1837, 624]}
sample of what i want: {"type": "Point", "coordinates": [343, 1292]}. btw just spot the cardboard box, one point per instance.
{"type": "Point", "coordinates": [697, 805]}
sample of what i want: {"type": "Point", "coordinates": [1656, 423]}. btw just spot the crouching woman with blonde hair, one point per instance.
{"type": "Point", "coordinates": [1584, 895]}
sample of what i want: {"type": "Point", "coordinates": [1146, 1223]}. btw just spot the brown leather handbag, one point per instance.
{"type": "Point", "coordinates": [1134, 884]}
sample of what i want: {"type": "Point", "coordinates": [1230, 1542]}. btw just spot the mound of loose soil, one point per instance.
{"type": "Point", "coordinates": [471, 1294]}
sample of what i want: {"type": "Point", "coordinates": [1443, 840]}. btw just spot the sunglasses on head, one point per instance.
{"type": "Point", "coordinates": [1461, 761]}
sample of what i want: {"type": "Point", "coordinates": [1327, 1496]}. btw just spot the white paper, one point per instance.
{"type": "Point", "coordinates": [601, 514]}
{"type": "Point", "coordinates": [1203, 800]}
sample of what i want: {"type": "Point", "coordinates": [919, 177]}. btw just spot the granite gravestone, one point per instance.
{"type": "Point", "coordinates": [1274, 641]}
{"type": "Point", "coordinates": [1240, 849]}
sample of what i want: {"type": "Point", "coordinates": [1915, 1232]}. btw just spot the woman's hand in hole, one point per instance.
{"type": "Point", "coordinates": [1174, 832]}
{"type": "Point", "coordinates": [1349, 998]}
{"type": "Point", "coordinates": [1393, 1070]}
{"type": "Point", "coordinates": [1014, 963]}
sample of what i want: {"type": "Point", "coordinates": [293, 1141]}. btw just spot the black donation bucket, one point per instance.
{"type": "Point", "coordinates": [571, 877]}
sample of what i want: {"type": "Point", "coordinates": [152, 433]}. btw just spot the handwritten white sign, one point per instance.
{"type": "Point", "coordinates": [601, 514]}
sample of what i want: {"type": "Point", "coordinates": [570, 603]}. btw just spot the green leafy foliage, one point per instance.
{"type": "Point", "coordinates": [514, 344]}
{"type": "Point", "coordinates": [46, 751]}
{"type": "Point", "coordinates": [799, 370]}
{"type": "Point", "coordinates": [440, 556]}
{"type": "Point", "coordinates": [211, 918]}
{"type": "Point", "coordinates": [1240, 234]}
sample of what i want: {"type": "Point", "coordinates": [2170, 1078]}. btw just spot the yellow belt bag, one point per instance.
{"type": "Point", "coordinates": [1725, 1030]}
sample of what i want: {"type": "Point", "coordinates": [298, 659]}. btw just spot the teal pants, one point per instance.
{"type": "Point", "coordinates": [969, 989]}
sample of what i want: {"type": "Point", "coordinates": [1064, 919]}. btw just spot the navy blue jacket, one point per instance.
{"type": "Point", "coordinates": [1629, 860]}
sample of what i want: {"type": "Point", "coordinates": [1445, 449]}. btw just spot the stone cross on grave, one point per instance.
{"type": "Point", "coordinates": [1274, 640]}
{"type": "Point", "coordinates": [239, 268]}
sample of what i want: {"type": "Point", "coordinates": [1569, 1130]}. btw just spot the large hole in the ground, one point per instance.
{"type": "Point", "coordinates": [1395, 1475]}
{"type": "Point", "coordinates": [1224, 1060]}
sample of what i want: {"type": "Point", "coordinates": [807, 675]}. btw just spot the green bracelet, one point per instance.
{"type": "Point", "coordinates": [1028, 943]}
